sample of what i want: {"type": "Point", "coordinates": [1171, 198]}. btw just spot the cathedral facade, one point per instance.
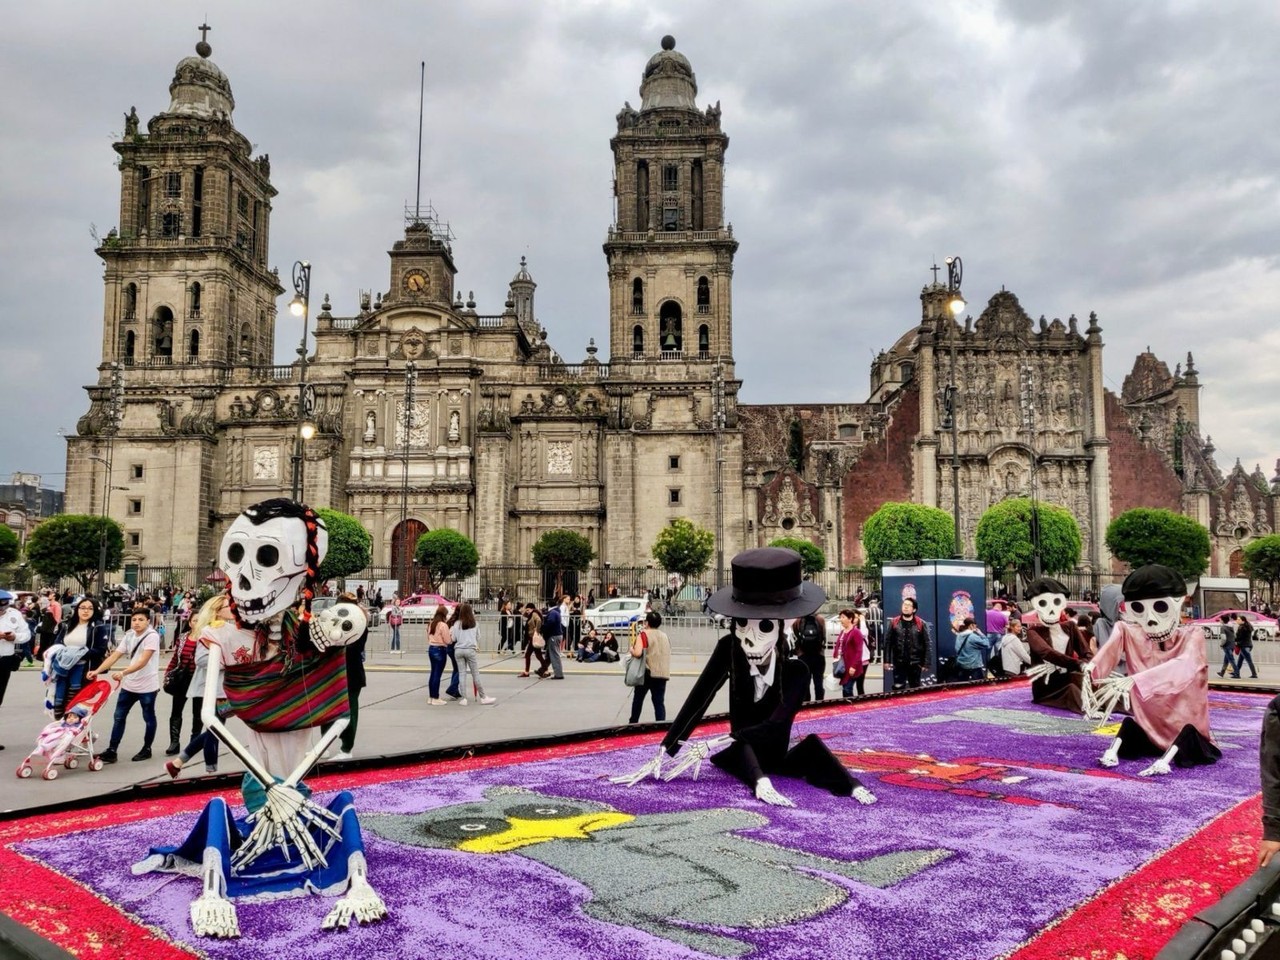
{"type": "Point", "coordinates": [423, 413]}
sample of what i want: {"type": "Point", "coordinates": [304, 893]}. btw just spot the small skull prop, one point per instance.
{"type": "Point", "coordinates": [337, 626]}
{"type": "Point", "coordinates": [264, 554]}
{"type": "Point", "coordinates": [1048, 599]}
{"type": "Point", "coordinates": [758, 639]}
{"type": "Point", "coordinates": [1153, 598]}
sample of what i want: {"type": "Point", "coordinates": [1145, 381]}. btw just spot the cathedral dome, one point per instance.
{"type": "Point", "coordinates": [199, 89]}
{"type": "Point", "coordinates": [668, 80]}
{"type": "Point", "coordinates": [523, 275]}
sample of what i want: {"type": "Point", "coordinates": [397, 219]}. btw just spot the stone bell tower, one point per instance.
{"type": "Point", "coordinates": [674, 447]}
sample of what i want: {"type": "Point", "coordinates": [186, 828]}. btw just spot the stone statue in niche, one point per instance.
{"type": "Point", "coordinates": [370, 427]}
{"type": "Point", "coordinates": [455, 426]}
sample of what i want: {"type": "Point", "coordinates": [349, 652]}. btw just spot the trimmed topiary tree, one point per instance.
{"type": "Point", "coordinates": [444, 554]}
{"type": "Point", "coordinates": [907, 531]}
{"type": "Point", "coordinates": [1144, 535]}
{"type": "Point", "coordinates": [683, 547]}
{"type": "Point", "coordinates": [68, 546]}
{"type": "Point", "coordinates": [812, 558]}
{"type": "Point", "coordinates": [1004, 541]}
{"type": "Point", "coordinates": [350, 545]}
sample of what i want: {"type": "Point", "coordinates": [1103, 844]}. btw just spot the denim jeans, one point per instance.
{"type": "Point", "coordinates": [851, 682]}
{"type": "Point", "coordinates": [1229, 663]}
{"type": "Point", "coordinates": [201, 740]}
{"type": "Point", "coordinates": [438, 656]}
{"type": "Point", "coordinates": [1246, 656]}
{"type": "Point", "coordinates": [125, 700]}
{"type": "Point", "coordinates": [66, 688]}
{"type": "Point", "coordinates": [452, 690]}
{"type": "Point", "coordinates": [395, 638]}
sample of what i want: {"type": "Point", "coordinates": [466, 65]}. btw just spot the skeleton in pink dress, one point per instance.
{"type": "Point", "coordinates": [1167, 686]}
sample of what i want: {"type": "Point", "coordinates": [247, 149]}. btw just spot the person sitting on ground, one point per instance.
{"type": "Point", "coordinates": [589, 648]}
{"type": "Point", "coordinates": [609, 648]}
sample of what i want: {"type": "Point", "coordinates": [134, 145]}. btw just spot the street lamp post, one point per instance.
{"type": "Point", "coordinates": [306, 393]}
{"type": "Point", "coordinates": [115, 412]}
{"type": "Point", "coordinates": [407, 419]}
{"type": "Point", "coordinates": [1027, 400]}
{"type": "Point", "coordinates": [955, 304]}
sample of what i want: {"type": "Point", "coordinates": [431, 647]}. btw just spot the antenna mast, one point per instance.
{"type": "Point", "coordinates": [422, 87]}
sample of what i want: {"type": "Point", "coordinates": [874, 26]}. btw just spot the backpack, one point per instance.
{"type": "Point", "coordinates": [811, 636]}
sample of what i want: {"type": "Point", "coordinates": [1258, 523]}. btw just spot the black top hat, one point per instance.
{"type": "Point", "coordinates": [767, 583]}
{"type": "Point", "coordinates": [1152, 581]}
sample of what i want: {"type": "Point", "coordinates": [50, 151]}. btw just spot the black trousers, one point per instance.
{"type": "Point", "coordinates": [657, 686]}
{"type": "Point", "coordinates": [810, 760]}
{"type": "Point", "coordinates": [817, 664]}
{"type": "Point", "coordinates": [7, 666]}
{"type": "Point", "coordinates": [1193, 749]}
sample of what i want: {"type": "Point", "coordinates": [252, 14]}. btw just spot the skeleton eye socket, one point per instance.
{"type": "Point", "coordinates": [268, 556]}
{"type": "Point", "coordinates": [1139, 607]}
{"type": "Point", "coordinates": [235, 552]}
{"type": "Point", "coordinates": [1161, 606]}
{"type": "Point", "coordinates": [766, 626]}
{"type": "Point", "coordinates": [1042, 602]}
{"type": "Point", "coordinates": [740, 621]}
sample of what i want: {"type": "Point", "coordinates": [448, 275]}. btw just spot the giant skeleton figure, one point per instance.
{"type": "Point", "coordinates": [766, 688]}
{"type": "Point", "coordinates": [284, 673]}
{"type": "Point", "coordinates": [1167, 687]}
{"type": "Point", "coordinates": [1057, 649]}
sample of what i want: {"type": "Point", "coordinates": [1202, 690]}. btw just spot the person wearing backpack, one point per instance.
{"type": "Point", "coordinates": [971, 651]}
{"type": "Point", "coordinates": [810, 634]}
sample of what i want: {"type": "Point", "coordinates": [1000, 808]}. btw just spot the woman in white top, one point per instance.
{"type": "Point", "coordinates": [1015, 653]}
{"type": "Point", "coordinates": [84, 645]}
{"type": "Point", "coordinates": [139, 682]}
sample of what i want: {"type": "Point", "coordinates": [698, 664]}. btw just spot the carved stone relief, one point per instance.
{"type": "Point", "coordinates": [560, 458]}
{"type": "Point", "coordinates": [419, 423]}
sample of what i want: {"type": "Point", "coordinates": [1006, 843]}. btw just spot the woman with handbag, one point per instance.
{"type": "Point", "coordinates": [176, 683]}
{"type": "Point", "coordinates": [534, 642]}
{"type": "Point", "coordinates": [851, 656]}
{"type": "Point", "coordinates": [395, 617]}
{"type": "Point", "coordinates": [653, 649]}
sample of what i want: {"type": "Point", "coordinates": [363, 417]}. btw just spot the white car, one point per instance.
{"type": "Point", "coordinates": [617, 612]}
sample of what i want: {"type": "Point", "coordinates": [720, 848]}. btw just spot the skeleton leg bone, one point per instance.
{"type": "Point", "coordinates": [1161, 766]}
{"type": "Point", "coordinates": [1112, 757]}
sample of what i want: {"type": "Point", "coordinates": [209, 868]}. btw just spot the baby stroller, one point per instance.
{"type": "Point", "coordinates": [65, 741]}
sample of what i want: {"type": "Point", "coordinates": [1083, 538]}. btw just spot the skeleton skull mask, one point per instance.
{"type": "Point", "coordinates": [758, 639]}
{"type": "Point", "coordinates": [264, 554]}
{"type": "Point", "coordinates": [1049, 607]}
{"type": "Point", "coordinates": [1156, 616]}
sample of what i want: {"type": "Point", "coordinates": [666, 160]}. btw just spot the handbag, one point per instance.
{"type": "Point", "coordinates": [537, 641]}
{"type": "Point", "coordinates": [178, 675]}
{"type": "Point", "coordinates": [635, 672]}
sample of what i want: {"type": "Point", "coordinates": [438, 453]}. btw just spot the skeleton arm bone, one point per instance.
{"type": "Point", "coordinates": [694, 754]}
{"type": "Point", "coordinates": [209, 716]}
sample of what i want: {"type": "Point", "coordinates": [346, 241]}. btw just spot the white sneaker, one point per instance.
{"type": "Point", "coordinates": [341, 755]}
{"type": "Point", "coordinates": [462, 701]}
{"type": "Point", "coordinates": [435, 703]}
{"type": "Point", "coordinates": [487, 700]}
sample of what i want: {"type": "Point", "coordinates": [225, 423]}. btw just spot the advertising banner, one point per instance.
{"type": "Point", "coordinates": [945, 591]}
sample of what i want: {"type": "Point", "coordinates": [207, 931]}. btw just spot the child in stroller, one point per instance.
{"type": "Point", "coordinates": [63, 742]}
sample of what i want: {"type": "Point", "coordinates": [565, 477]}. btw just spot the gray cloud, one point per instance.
{"type": "Point", "coordinates": [1098, 156]}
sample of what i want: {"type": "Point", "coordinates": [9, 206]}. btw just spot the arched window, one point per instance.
{"type": "Point", "coordinates": [704, 341]}
{"type": "Point", "coordinates": [905, 371]}
{"type": "Point", "coordinates": [670, 332]}
{"type": "Point", "coordinates": [130, 301]}
{"type": "Point", "coordinates": [193, 345]}
{"type": "Point", "coordinates": [162, 343]}
{"type": "Point", "coordinates": [195, 300]}
{"type": "Point", "coordinates": [130, 345]}
{"type": "Point", "coordinates": [637, 340]}
{"type": "Point", "coordinates": [637, 297]}
{"type": "Point", "coordinates": [246, 342]}
{"type": "Point", "coordinates": [704, 295]}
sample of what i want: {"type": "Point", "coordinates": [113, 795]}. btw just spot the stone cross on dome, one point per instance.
{"type": "Point", "coordinates": [203, 47]}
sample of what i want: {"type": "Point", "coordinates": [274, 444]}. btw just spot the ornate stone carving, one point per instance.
{"type": "Point", "coordinates": [419, 423]}
{"type": "Point", "coordinates": [559, 458]}
{"type": "Point", "coordinates": [266, 463]}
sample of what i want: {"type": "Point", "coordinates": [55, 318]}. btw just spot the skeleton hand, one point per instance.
{"type": "Point", "coordinates": [652, 768]}
{"type": "Point", "coordinates": [863, 795]}
{"type": "Point", "coordinates": [1042, 671]}
{"type": "Point", "coordinates": [285, 820]}
{"type": "Point", "coordinates": [1114, 689]}
{"type": "Point", "coordinates": [765, 792]}
{"type": "Point", "coordinates": [338, 626]}
{"type": "Point", "coordinates": [694, 754]}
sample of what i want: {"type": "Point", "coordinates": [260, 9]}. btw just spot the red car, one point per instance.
{"type": "Point", "coordinates": [1264, 628]}
{"type": "Point", "coordinates": [421, 607]}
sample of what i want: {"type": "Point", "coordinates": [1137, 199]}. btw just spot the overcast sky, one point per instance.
{"type": "Point", "coordinates": [1119, 157]}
